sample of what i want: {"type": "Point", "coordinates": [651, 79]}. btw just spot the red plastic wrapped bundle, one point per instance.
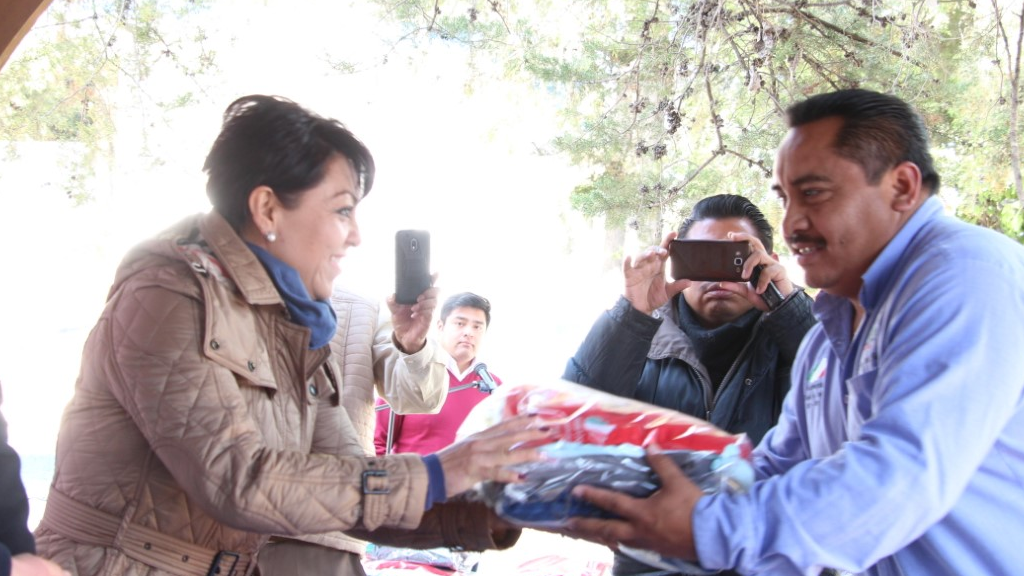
{"type": "Point", "coordinates": [588, 416]}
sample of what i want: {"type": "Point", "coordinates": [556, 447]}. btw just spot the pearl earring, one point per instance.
{"type": "Point", "coordinates": [271, 237]}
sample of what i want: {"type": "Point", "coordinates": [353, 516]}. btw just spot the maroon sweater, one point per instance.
{"type": "Point", "coordinates": [428, 433]}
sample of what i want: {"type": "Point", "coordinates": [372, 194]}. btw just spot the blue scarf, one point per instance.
{"type": "Point", "coordinates": [317, 315]}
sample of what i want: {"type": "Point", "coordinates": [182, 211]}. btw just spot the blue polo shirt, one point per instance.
{"type": "Point", "coordinates": [899, 450]}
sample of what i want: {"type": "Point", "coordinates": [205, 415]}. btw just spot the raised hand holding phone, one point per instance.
{"type": "Point", "coordinates": [644, 275]}
{"type": "Point", "coordinates": [772, 297]}
{"type": "Point", "coordinates": [412, 322]}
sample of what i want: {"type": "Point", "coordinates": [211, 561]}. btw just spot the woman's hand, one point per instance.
{"type": "Point", "coordinates": [488, 454]}
{"type": "Point", "coordinates": [411, 322]}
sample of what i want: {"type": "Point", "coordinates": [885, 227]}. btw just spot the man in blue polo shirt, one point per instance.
{"type": "Point", "coordinates": [900, 449]}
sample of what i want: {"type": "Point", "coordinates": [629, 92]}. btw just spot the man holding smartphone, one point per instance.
{"type": "Point", "coordinates": [712, 349]}
{"type": "Point", "coordinates": [901, 446]}
{"type": "Point", "coordinates": [465, 318]}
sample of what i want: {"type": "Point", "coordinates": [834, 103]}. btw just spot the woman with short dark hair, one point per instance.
{"type": "Point", "coordinates": [207, 415]}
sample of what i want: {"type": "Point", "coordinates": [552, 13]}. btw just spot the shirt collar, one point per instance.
{"type": "Point", "coordinates": [835, 312]}
{"type": "Point", "coordinates": [453, 367]}
{"type": "Point", "coordinates": [880, 272]}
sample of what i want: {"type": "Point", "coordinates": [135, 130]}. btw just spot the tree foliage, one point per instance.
{"type": "Point", "coordinates": [669, 101]}
{"type": "Point", "coordinates": [664, 101]}
{"type": "Point", "coordinates": [83, 60]}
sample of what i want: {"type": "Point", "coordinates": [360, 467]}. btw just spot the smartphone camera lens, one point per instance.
{"type": "Point", "coordinates": [737, 261]}
{"type": "Point", "coordinates": [414, 244]}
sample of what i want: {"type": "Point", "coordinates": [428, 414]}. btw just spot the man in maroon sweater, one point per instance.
{"type": "Point", "coordinates": [465, 318]}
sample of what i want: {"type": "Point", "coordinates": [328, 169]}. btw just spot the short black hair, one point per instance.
{"type": "Point", "coordinates": [466, 300]}
{"type": "Point", "coordinates": [879, 131]}
{"type": "Point", "coordinates": [722, 206]}
{"type": "Point", "coordinates": [272, 141]}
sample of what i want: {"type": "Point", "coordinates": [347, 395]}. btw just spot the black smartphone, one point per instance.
{"type": "Point", "coordinates": [412, 264]}
{"type": "Point", "coordinates": [709, 260]}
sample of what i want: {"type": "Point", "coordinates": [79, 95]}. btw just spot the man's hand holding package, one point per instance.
{"type": "Point", "coordinates": [643, 523]}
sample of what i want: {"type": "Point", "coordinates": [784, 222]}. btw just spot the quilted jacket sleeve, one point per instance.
{"type": "Point", "coordinates": [411, 383]}
{"type": "Point", "coordinates": [459, 523]}
{"type": "Point", "coordinates": [226, 441]}
{"type": "Point", "coordinates": [790, 322]}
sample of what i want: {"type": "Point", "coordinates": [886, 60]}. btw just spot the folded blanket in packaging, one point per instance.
{"type": "Point", "coordinates": [601, 442]}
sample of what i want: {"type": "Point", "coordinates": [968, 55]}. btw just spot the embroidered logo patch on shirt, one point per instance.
{"type": "Point", "coordinates": [814, 389]}
{"type": "Point", "coordinates": [819, 370]}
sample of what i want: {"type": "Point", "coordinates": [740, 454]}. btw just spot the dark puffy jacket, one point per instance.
{"type": "Point", "coordinates": [15, 537]}
{"type": "Point", "coordinates": [631, 354]}
{"type": "Point", "coordinates": [651, 359]}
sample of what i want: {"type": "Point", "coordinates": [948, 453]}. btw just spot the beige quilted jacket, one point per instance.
{"type": "Point", "coordinates": [195, 415]}
{"type": "Point", "coordinates": [413, 383]}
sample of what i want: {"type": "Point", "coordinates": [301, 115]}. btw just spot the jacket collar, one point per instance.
{"type": "Point", "coordinates": [241, 264]}
{"type": "Point", "coordinates": [670, 341]}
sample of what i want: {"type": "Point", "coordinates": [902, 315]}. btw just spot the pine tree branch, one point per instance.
{"type": "Point", "coordinates": [822, 71]}
{"type": "Point", "coordinates": [693, 175]}
{"type": "Point", "coordinates": [767, 171]}
{"type": "Point", "coordinates": [714, 113]}
{"type": "Point", "coordinates": [814, 20]}
{"type": "Point", "coordinates": [494, 7]}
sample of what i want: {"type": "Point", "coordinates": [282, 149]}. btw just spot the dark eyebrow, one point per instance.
{"type": "Point", "coordinates": [807, 179]}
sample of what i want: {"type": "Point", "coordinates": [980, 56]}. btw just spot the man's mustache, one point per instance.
{"type": "Point", "coordinates": [802, 239]}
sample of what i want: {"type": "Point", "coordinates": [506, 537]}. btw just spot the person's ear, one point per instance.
{"type": "Point", "coordinates": [907, 188]}
{"type": "Point", "coordinates": [440, 325]}
{"type": "Point", "coordinates": [264, 206]}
